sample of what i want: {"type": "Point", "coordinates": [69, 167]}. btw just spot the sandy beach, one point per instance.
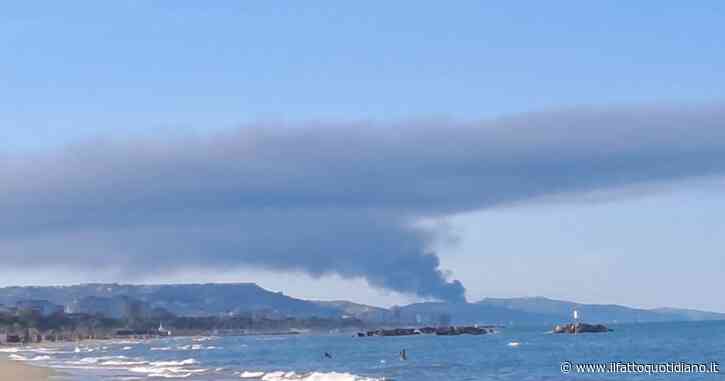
{"type": "Point", "coordinates": [11, 370]}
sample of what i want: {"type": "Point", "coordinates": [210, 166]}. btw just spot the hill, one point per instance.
{"type": "Point", "coordinates": [359, 311]}
{"type": "Point", "coordinates": [179, 299]}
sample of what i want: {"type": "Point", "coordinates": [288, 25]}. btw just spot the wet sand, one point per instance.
{"type": "Point", "coordinates": [11, 370]}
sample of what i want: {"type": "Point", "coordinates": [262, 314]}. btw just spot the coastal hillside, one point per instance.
{"type": "Point", "coordinates": [359, 311]}
{"type": "Point", "coordinates": [178, 299]}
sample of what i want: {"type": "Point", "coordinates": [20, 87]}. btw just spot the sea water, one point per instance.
{"type": "Point", "coordinates": [513, 353]}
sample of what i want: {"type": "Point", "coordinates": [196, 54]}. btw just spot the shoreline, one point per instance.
{"type": "Point", "coordinates": [12, 370]}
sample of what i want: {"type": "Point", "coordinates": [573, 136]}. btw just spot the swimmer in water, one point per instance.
{"type": "Point", "coordinates": [327, 355]}
{"type": "Point", "coordinates": [403, 354]}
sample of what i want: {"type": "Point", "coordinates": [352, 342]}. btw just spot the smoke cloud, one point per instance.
{"type": "Point", "coordinates": [328, 198]}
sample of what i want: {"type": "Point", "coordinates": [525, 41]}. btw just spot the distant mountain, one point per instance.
{"type": "Point", "coordinates": [602, 313]}
{"type": "Point", "coordinates": [690, 315]}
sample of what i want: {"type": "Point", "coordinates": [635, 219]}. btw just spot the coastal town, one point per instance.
{"type": "Point", "coordinates": [96, 318]}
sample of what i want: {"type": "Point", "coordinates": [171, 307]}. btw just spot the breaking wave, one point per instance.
{"type": "Point", "coordinates": [23, 358]}
{"type": "Point", "coordinates": [174, 363]}
{"type": "Point", "coordinates": [310, 376]}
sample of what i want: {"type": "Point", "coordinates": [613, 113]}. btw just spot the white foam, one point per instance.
{"type": "Point", "coordinates": [86, 349]}
{"type": "Point", "coordinates": [128, 342]}
{"type": "Point", "coordinates": [246, 374]}
{"type": "Point", "coordinates": [311, 376]}
{"type": "Point", "coordinates": [172, 375]}
{"type": "Point", "coordinates": [194, 347]}
{"type": "Point", "coordinates": [75, 365]}
{"type": "Point", "coordinates": [155, 369]}
{"type": "Point", "coordinates": [174, 363]}
{"type": "Point", "coordinates": [41, 350]}
{"type": "Point", "coordinates": [23, 358]}
{"type": "Point", "coordinates": [279, 375]}
{"type": "Point", "coordinates": [204, 338]}
{"type": "Point", "coordinates": [514, 344]}
{"type": "Point", "coordinates": [9, 350]}
{"type": "Point", "coordinates": [40, 358]}
{"type": "Point", "coordinates": [123, 363]}
{"type": "Point", "coordinates": [96, 360]}
{"type": "Point", "coordinates": [46, 350]}
{"type": "Point", "coordinates": [166, 371]}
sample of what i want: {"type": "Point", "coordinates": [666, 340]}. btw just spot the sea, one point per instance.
{"type": "Point", "coordinates": [643, 351]}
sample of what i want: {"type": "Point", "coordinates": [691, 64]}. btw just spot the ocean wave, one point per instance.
{"type": "Point", "coordinates": [32, 350]}
{"type": "Point", "coordinates": [23, 358]}
{"type": "Point", "coordinates": [44, 350]}
{"type": "Point", "coordinates": [95, 360]}
{"type": "Point", "coordinates": [253, 375]}
{"type": "Point", "coordinates": [166, 371]}
{"type": "Point", "coordinates": [174, 363]}
{"type": "Point", "coordinates": [204, 338]}
{"type": "Point", "coordinates": [76, 365]}
{"type": "Point", "coordinates": [157, 369]}
{"type": "Point", "coordinates": [123, 363]}
{"type": "Point", "coordinates": [41, 358]}
{"type": "Point", "coordinates": [163, 375]}
{"type": "Point", "coordinates": [87, 349]}
{"type": "Point", "coordinates": [195, 347]}
{"type": "Point", "coordinates": [310, 376]}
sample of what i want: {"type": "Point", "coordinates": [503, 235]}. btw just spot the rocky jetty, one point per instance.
{"type": "Point", "coordinates": [581, 328]}
{"type": "Point", "coordinates": [394, 332]}
{"type": "Point", "coordinates": [440, 331]}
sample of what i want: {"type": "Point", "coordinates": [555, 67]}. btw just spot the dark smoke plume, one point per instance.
{"type": "Point", "coordinates": [332, 198]}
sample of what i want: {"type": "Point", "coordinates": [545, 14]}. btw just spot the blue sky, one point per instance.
{"type": "Point", "coordinates": [73, 71]}
{"type": "Point", "coordinates": [77, 68]}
